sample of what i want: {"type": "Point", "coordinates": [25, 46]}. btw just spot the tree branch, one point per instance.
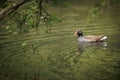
{"type": "Point", "coordinates": [11, 8]}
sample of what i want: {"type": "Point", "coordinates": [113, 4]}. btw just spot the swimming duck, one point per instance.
{"type": "Point", "coordinates": [89, 38]}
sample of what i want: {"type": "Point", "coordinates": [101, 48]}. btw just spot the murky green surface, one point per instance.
{"type": "Point", "coordinates": [54, 57]}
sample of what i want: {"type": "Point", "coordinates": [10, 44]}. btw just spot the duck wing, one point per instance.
{"type": "Point", "coordinates": [95, 38]}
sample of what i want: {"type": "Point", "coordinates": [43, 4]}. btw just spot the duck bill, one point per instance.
{"type": "Point", "coordinates": [75, 33]}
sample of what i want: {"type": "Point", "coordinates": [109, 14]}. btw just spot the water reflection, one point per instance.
{"type": "Point", "coordinates": [83, 45]}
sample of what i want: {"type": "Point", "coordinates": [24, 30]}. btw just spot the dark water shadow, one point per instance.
{"type": "Point", "coordinates": [84, 45]}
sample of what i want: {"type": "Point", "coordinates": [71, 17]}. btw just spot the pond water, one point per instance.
{"type": "Point", "coordinates": [54, 56]}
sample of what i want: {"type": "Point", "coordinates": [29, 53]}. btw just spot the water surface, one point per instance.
{"type": "Point", "coordinates": [54, 56]}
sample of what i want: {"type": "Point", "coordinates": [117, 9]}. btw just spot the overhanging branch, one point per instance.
{"type": "Point", "coordinates": [11, 8]}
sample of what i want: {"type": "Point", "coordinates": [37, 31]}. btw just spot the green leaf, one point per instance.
{"type": "Point", "coordinates": [15, 33]}
{"type": "Point", "coordinates": [7, 27]}
{"type": "Point", "coordinates": [24, 43]}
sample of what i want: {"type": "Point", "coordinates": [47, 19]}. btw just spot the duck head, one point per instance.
{"type": "Point", "coordinates": [78, 33]}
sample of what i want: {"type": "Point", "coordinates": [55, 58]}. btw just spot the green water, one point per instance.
{"type": "Point", "coordinates": [54, 56]}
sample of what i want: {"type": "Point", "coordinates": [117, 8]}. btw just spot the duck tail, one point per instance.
{"type": "Point", "coordinates": [103, 38]}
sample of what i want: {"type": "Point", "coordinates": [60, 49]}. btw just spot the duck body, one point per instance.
{"type": "Point", "coordinates": [92, 38]}
{"type": "Point", "coordinates": [89, 38]}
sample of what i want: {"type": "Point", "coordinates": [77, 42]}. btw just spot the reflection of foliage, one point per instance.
{"type": "Point", "coordinates": [99, 7]}
{"type": "Point", "coordinates": [114, 2]}
{"type": "Point", "coordinates": [59, 3]}
{"type": "Point", "coordinates": [63, 66]}
{"type": "Point", "coordinates": [93, 13]}
{"type": "Point", "coordinates": [34, 13]}
{"type": "Point", "coordinates": [29, 45]}
{"type": "Point", "coordinates": [50, 20]}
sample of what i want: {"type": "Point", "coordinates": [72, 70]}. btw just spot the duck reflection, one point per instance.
{"type": "Point", "coordinates": [83, 45]}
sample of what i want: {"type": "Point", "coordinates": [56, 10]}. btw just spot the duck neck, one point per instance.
{"type": "Point", "coordinates": [80, 35]}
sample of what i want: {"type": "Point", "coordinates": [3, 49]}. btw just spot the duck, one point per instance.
{"type": "Point", "coordinates": [89, 38]}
